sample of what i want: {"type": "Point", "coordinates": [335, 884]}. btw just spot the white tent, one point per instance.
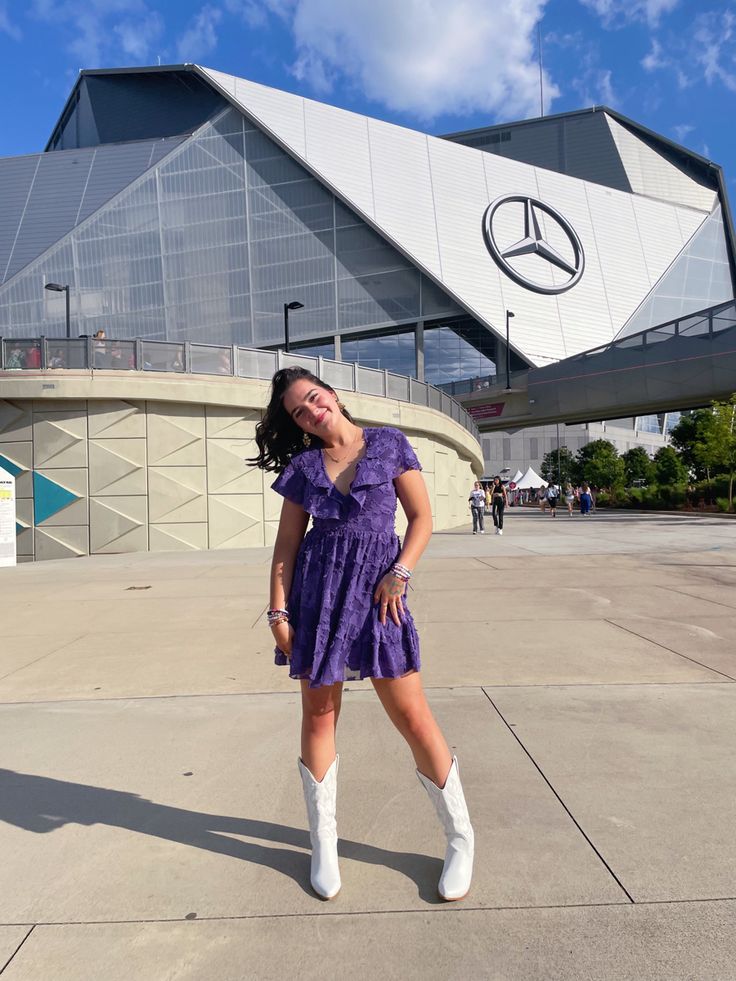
{"type": "Point", "coordinates": [517, 477]}
{"type": "Point", "coordinates": [530, 479]}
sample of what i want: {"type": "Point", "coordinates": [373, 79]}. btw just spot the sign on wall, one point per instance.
{"type": "Point", "coordinates": [7, 519]}
{"type": "Point", "coordinates": [486, 410]}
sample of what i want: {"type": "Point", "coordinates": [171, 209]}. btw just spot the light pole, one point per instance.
{"type": "Point", "coordinates": [294, 305]}
{"type": "Point", "coordinates": [57, 288]}
{"type": "Point", "coordinates": [509, 315]}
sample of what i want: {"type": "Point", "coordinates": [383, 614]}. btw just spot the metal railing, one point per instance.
{"type": "Point", "coordinates": [704, 323]}
{"type": "Point", "coordinates": [187, 357]}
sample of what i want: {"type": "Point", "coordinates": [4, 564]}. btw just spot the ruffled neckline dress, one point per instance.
{"type": "Point", "coordinates": [351, 545]}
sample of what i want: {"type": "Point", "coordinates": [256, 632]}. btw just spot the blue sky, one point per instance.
{"type": "Point", "coordinates": [435, 65]}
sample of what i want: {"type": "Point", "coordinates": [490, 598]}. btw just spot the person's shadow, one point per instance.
{"type": "Point", "coordinates": [41, 804]}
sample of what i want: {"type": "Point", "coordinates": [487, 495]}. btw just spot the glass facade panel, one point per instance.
{"type": "Point", "coordinates": [700, 277]}
{"type": "Point", "coordinates": [323, 350]}
{"type": "Point", "coordinates": [650, 424]}
{"type": "Point", "coordinates": [389, 352]}
{"type": "Point", "coordinates": [450, 356]}
{"type": "Point", "coordinates": [207, 246]}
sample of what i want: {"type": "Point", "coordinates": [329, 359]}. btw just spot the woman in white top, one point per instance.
{"type": "Point", "coordinates": [477, 501]}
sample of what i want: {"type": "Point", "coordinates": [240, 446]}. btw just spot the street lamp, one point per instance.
{"type": "Point", "coordinates": [509, 315]}
{"type": "Point", "coordinates": [294, 305]}
{"type": "Point", "coordinates": [57, 288]}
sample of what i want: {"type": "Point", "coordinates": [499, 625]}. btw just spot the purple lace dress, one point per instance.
{"type": "Point", "coordinates": [349, 548]}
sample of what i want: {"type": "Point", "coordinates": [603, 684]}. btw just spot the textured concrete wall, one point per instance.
{"type": "Point", "coordinates": [97, 475]}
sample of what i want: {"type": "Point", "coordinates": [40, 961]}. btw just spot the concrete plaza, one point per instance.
{"type": "Point", "coordinates": [151, 818]}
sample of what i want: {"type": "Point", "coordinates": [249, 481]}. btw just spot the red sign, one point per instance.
{"type": "Point", "coordinates": [512, 485]}
{"type": "Point", "coordinates": [486, 410]}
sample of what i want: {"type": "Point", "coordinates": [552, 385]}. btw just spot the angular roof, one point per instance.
{"type": "Point", "coordinates": [428, 196]}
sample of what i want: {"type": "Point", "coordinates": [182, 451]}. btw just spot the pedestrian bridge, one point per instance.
{"type": "Point", "coordinates": [682, 364]}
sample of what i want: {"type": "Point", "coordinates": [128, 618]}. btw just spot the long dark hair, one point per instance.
{"type": "Point", "coordinates": [277, 435]}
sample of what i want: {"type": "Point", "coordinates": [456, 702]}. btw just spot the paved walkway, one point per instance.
{"type": "Point", "coordinates": [151, 820]}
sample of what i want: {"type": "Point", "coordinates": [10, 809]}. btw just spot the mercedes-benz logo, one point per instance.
{"type": "Point", "coordinates": [533, 242]}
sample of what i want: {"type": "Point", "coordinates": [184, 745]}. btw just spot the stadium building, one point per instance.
{"type": "Point", "coordinates": [183, 204]}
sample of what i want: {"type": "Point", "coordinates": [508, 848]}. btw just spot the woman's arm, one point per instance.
{"type": "Point", "coordinates": [292, 525]}
{"type": "Point", "coordinates": [412, 492]}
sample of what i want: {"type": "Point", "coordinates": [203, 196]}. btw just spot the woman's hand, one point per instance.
{"type": "Point", "coordinates": [388, 595]}
{"type": "Point", "coordinates": [283, 634]}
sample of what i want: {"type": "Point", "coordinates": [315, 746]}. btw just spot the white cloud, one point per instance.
{"type": "Point", "coordinates": [595, 88]}
{"type": "Point", "coordinates": [200, 38]}
{"type": "Point", "coordinates": [6, 25]}
{"type": "Point", "coordinates": [616, 13]}
{"type": "Point", "coordinates": [255, 12]}
{"type": "Point", "coordinates": [137, 37]}
{"type": "Point", "coordinates": [103, 31]}
{"type": "Point", "coordinates": [706, 53]}
{"type": "Point", "coordinates": [655, 59]}
{"type": "Point", "coordinates": [681, 132]}
{"type": "Point", "coordinates": [592, 81]}
{"type": "Point", "coordinates": [425, 57]}
{"type": "Point", "coordinates": [715, 47]}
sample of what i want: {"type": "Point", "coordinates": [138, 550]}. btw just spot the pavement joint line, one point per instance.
{"type": "Point", "coordinates": [8, 961]}
{"type": "Point", "coordinates": [682, 592]}
{"type": "Point", "coordinates": [437, 909]}
{"type": "Point", "coordinates": [678, 653]}
{"type": "Point", "coordinates": [77, 699]}
{"type": "Point", "coordinates": [560, 800]}
{"type": "Point", "coordinates": [42, 656]}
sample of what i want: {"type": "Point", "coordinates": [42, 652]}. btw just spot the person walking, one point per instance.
{"type": "Point", "coordinates": [569, 497]}
{"type": "Point", "coordinates": [586, 500]}
{"type": "Point", "coordinates": [338, 606]}
{"type": "Point", "coordinates": [499, 500]}
{"type": "Point", "coordinates": [553, 495]}
{"type": "Point", "coordinates": [477, 501]}
{"type": "Point", "coordinates": [542, 498]}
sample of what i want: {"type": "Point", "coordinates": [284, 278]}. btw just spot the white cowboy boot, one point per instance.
{"type": "Point", "coordinates": [452, 811]}
{"type": "Point", "coordinates": [321, 800]}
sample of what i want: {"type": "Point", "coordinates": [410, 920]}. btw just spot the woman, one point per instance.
{"type": "Point", "coordinates": [569, 497]}
{"type": "Point", "coordinates": [586, 500]}
{"type": "Point", "coordinates": [498, 503]}
{"type": "Point", "coordinates": [337, 607]}
{"type": "Point", "coordinates": [477, 502]}
{"type": "Point", "coordinates": [553, 495]}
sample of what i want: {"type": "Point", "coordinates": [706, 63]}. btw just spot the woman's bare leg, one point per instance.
{"type": "Point", "coordinates": [406, 706]}
{"type": "Point", "coordinates": [320, 712]}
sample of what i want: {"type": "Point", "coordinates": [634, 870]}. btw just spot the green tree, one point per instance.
{"type": "Point", "coordinates": [568, 468]}
{"type": "Point", "coordinates": [690, 438]}
{"type": "Point", "coordinates": [638, 465]}
{"type": "Point", "coordinates": [600, 465]}
{"type": "Point", "coordinates": [719, 446]}
{"type": "Point", "coordinates": [668, 466]}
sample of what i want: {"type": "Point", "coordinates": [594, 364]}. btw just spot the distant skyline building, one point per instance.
{"type": "Point", "coordinates": [181, 203]}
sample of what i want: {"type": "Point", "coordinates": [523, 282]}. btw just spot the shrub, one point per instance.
{"type": "Point", "coordinates": [722, 504]}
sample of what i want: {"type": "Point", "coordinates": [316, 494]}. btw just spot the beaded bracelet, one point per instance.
{"type": "Point", "coordinates": [401, 572]}
{"type": "Point", "coordinates": [277, 616]}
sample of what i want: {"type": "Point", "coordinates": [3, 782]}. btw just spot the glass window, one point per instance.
{"type": "Point", "coordinates": [453, 353]}
{"type": "Point", "coordinates": [650, 424]}
{"type": "Point", "coordinates": [389, 352]}
{"type": "Point", "coordinates": [324, 350]}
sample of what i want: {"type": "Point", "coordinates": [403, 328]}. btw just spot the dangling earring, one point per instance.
{"type": "Point", "coordinates": [340, 405]}
{"type": "Point", "coordinates": [307, 439]}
